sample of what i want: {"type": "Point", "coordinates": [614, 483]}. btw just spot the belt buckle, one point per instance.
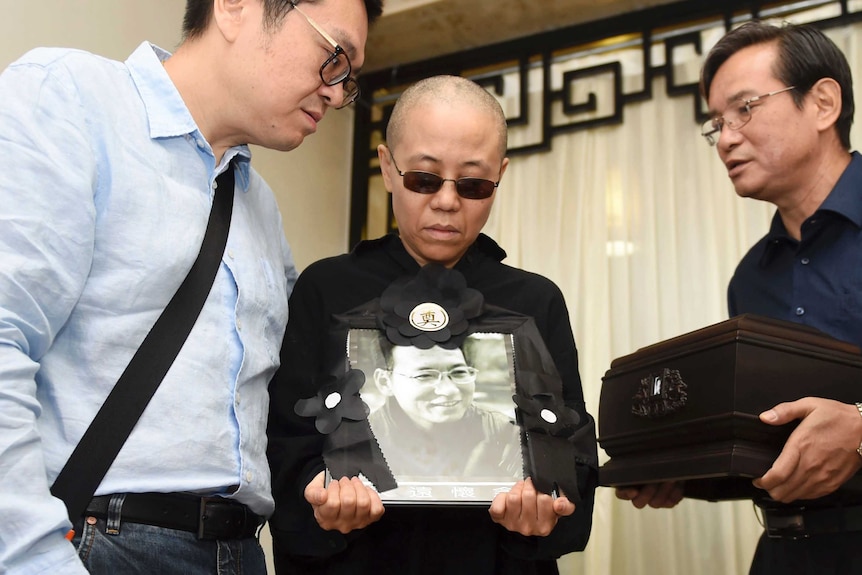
{"type": "Point", "coordinates": [785, 523]}
{"type": "Point", "coordinates": [233, 525]}
{"type": "Point", "coordinates": [202, 517]}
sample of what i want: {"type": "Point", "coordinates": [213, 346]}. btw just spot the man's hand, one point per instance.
{"type": "Point", "coordinates": [527, 511]}
{"type": "Point", "coordinates": [657, 495]}
{"type": "Point", "coordinates": [343, 505]}
{"type": "Point", "coordinates": [820, 454]}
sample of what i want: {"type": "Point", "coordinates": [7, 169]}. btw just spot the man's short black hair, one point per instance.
{"type": "Point", "coordinates": [386, 347]}
{"type": "Point", "coordinates": [805, 55]}
{"type": "Point", "coordinates": [199, 12]}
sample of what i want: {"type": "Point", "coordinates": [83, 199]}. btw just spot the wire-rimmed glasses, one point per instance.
{"type": "Point", "coordinates": [336, 69]}
{"type": "Point", "coordinates": [734, 117]}
{"type": "Point", "coordinates": [461, 375]}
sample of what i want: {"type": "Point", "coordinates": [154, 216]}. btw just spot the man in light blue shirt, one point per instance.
{"type": "Point", "coordinates": [107, 174]}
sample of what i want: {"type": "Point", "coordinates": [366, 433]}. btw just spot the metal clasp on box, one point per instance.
{"type": "Point", "coordinates": [660, 394]}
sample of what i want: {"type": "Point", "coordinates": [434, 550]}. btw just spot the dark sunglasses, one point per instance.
{"type": "Point", "coordinates": [428, 183]}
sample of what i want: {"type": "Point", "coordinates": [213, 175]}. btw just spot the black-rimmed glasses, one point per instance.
{"type": "Point", "coordinates": [461, 375]}
{"type": "Point", "coordinates": [734, 117]}
{"type": "Point", "coordinates": [428, 183]}
{"type": "Point", "coordinates": [336, 69]}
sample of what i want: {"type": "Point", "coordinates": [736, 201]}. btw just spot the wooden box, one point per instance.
{"type": "Point", "coordinates": [687, 408]}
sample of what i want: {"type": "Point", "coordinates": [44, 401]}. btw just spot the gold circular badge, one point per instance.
{"type": "Point", "coordinates": [429, 317]}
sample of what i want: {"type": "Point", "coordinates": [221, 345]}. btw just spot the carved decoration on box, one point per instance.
{"type": "Point", "coordinates": [660, 394]}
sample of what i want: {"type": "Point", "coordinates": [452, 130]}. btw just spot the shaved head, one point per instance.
{"type": "Point", "coordinates": [445, 89]}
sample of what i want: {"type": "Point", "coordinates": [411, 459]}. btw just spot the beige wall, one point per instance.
{"type": "Point", "coordinates": [311, 183]}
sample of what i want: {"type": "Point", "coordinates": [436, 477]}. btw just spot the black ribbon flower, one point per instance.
{"type": "Point", "coordinates": [338, 399]}
{"type": "Point", "coordinates": [432, 308]}
{"type": "Point", "coordinates": [544, 413]}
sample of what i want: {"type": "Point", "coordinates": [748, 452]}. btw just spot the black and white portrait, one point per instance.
{"type": "Point", "coordinates": [443, 418]}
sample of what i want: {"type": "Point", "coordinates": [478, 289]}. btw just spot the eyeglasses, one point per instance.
{"type": "Point", "coordinates": [735, 116]}
{"type": "Point", "coordinates": [430, 377]}
{"type": "Point", "coordinates": [428, 183]}
{"type": "Point", "coordinates": [336, 69]}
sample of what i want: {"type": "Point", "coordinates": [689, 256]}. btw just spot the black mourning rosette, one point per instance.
{"type": "Point", "coordinates": [337, 399]}
{"type": "Point", "coordinates": [438, 285]}
{"type": "Point", "coordinates": [350, 447]}
{"type": "Point", "coordinates": [544, 413]}
{"type": "Point", "coordinates": [551, 427]}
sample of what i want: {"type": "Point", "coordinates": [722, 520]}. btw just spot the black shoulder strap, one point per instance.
{"type": "Point", "coordinates": [102, 441]}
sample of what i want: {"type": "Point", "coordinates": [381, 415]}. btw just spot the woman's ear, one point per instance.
{"type": "Point", "coordinates": [503, 167]}
{"type": "Point", "coordinates": [385, 166]}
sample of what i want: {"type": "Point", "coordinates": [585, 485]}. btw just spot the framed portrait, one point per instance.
{"type": "Point", "coordinates": [444, 419]}
{"type": "Point", "coordinates": [434, 397]}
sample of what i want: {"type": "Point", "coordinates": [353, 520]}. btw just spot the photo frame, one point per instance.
{"type": "Point", "coordinates": [431, 331]}
{"type": "Point", "coordinates": [454, 439]}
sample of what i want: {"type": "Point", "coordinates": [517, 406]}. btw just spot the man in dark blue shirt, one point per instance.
{"type": "Point", "coordinates": [815, 278]}
{"type": "Point", "coordinates": [781, 106]}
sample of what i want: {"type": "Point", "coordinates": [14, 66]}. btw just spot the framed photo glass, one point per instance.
{"type": "Point", "coordinates": [444, 419]}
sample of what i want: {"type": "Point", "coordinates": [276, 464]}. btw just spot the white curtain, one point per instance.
{"type": "Point", "coordinates": [640, 227]}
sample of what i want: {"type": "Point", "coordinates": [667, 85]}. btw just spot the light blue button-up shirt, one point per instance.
{"type": "Point", "coordinates": [106, 185]}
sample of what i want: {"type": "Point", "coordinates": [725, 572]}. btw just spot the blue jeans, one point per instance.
{"type": "Point", "coordinates": [145, 549]}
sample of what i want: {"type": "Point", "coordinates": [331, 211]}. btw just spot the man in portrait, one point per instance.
{"type": "Point", "coordinates": [430, 424]}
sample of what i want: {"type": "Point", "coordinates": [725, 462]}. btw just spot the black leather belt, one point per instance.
{"type": "Point", "coordinates": [801, 523]}
{"type": "Point", "coordinates": [206, 517]}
